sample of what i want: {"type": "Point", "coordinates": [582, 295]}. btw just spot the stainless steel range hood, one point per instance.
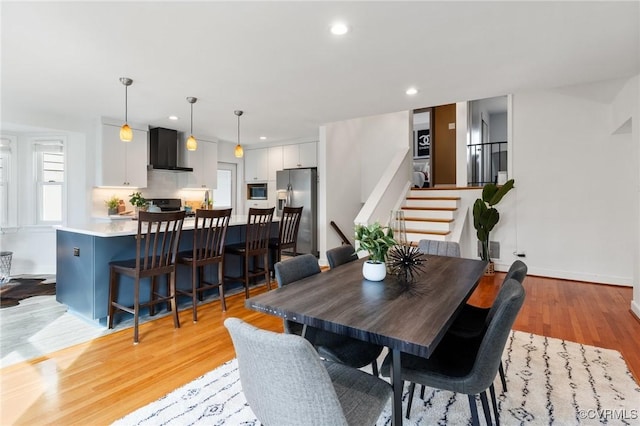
{"type": "Point", "coordinates": [163, 150]}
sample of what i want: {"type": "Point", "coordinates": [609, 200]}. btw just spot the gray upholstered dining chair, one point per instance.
{"type": "Point", "coordinates": [467, 366]}
{"type": "Point", "coordinates": [340, 255]}
{"type": "Point", "coordinates": [472, 320]}
{"type": "Point", "coordinates": [331, 346]}
{"type": "Point", "coordinates": [439, 248]}
{"type": "Point", "coordinates": [285, 383]}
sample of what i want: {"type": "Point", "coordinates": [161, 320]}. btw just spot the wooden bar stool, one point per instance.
{"type": "Point", "coordinates": [156, 250]}
{"type": "Point", "coordinates": [287, 234]}
{"type": "Point", "coordinates": [254, 248]}
{"type": "Point", "coordinates": [209, 233]}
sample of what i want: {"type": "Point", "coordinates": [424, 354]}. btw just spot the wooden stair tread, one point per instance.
{"type": "Point", "coordinates": [431, 208]}
{"type": "Point", "coordinates": [430, 219]}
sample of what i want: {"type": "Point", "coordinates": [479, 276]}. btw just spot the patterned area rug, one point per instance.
{"type": "Point", "coordinates": [550, 381]}
{"type": "Point", "coordinates": [17, 289]}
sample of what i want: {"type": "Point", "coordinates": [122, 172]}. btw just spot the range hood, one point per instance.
{"type": "Point", "coordinates": [163, 150]}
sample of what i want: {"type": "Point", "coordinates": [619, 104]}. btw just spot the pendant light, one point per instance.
{"type": "Point", "coordinates": [239, 152]}
{"type": "Point", "coordinates": [192, 143]}
{"type": "Point", "coordinates": [126, 134]}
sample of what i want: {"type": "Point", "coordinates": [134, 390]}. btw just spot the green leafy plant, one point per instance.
{"type": "Point", "coordinates": [137, 200]}
{"type": "Point", "coordinates": [375, 239]}
{"type": "Point", "coordinates": [112, 203]}
{"type": "Point", "coordinates": [486, 216]}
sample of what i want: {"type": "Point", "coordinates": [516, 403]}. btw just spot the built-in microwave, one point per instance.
{"type": "Point", "coordinates": [256, 191]}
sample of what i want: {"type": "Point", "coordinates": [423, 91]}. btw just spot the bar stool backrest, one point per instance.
{"type": "Point", "coordinates": [209, 235]}
{"type": "Point", "coordinates": [157, 241]}
{"type": "Point", "coordinates": [289, 225]}
{"type": "Point", "coordinates": [258, 230]}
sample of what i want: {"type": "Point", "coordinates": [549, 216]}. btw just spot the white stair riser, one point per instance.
{"type": "Point", "coordinates": [429, 226]}
{"type": "Point", "coordinates": [435, 193]}
{"type": "Point", "coordinates": [417, 237]}
{"type": "Point", "coordinates": [432, 203]}
{"type": "Point", "coordinates": [430, 214]}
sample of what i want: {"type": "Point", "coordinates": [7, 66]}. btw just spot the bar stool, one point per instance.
{"type": "Point", "coordinates": [287, 234]}
{"type": "Point", "coordinates": [254, 247]}
{"type": "Point", "coordinates": [157, 244]}
{"type": "Point", "coordinates": [209, 233]}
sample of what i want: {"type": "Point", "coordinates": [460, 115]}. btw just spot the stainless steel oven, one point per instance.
{"type": "Point", "coordinates": [257, 191]}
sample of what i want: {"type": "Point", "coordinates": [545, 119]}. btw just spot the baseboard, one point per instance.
{"type": "Point", "coordinates": [635, 308]}
{"type": "Point", "coordinates": [572, 276]}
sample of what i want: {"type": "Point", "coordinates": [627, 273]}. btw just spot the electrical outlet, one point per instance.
{"type": "Point", "coordinates": [76, 251]}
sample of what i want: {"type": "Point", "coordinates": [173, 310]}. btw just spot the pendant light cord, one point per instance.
{"type": "Point", "coordinates": [191, 119]}
{"type": "Point", "coordinates": [126, 102]}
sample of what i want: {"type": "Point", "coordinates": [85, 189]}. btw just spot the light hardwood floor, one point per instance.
{"type": "Point", "coordinates": [102, 380]}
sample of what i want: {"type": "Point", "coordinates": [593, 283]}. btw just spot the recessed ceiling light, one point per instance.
{"type": "Point", "coordinates": [263, 138]}
{"type": "Point", "coordinates": [411, 91]}
{"type": "Point", "coordinates": [173, 117]}
{"type": "Point", "coordinates": [339, 29]}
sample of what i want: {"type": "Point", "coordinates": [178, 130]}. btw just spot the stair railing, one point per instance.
{"type": "Point", "coordinates": [343, 237]}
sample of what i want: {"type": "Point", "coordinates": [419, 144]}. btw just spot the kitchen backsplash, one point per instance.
{"type": "Point", "coordinates": [159, 185]}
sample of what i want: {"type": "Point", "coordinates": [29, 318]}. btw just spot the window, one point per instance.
{"type": "Point", "coordinates": [49, 157]}
{"type": "Point", "coordinates": [5, 180]}
{"type": "Point", "coordinates": [224, 194]}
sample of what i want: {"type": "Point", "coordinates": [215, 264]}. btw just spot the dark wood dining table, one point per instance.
{"type": "Point", "coordinates": [405, 317]}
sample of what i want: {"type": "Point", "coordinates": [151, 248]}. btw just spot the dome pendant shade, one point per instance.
{"type": "Point", "coordinates": [239, 152]}
{"type": "Point", "coordinates": [126, 134]}
{"type": "Point", "coordinates": [192, 143]}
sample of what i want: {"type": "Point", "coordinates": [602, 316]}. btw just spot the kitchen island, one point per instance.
{"type": "Point", "coordinates": [84, 252]}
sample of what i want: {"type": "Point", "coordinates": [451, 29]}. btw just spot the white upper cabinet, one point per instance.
{"type": "Point", "coordinates": [275, 161]}
{"type": "Point", "coordinates": [256, 165]}
{"type": "Point", "coordinates": [121, 163]}
{"type": "Point", "coordinates": [300, 155]}
{"type": "Point", "coordinates": [204, 161]}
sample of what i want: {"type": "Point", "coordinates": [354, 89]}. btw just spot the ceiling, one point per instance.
{"type": "Point", "coordinates": [277, 61]}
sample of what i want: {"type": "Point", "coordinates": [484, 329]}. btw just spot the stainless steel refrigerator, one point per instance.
{"type": "Point", "coordinates": [298, 188]}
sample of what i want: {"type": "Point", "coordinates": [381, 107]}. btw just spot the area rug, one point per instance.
{"type": "Point", "coordinates": [550, 382]}
{"type": "Point", "coordinates": [18, 289]}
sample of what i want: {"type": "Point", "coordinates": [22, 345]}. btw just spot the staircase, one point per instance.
{"type": "Point", "coordinates": [430, 214]}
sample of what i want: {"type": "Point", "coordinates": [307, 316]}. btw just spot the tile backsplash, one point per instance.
{"type": "Point", "coordinates": [160, 184]}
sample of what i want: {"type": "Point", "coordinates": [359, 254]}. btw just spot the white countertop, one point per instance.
{"type": "Point", "coordinates": [121, 228]}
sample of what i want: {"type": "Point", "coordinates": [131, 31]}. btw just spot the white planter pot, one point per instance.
{"type": "Point", "coordinates": [374, 271]}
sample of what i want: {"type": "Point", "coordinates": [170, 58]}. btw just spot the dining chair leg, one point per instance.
{"type": "Point", "coordinates": [267, 275]}
{"type": "Point", "coordinates": [412, 388]}
{"type": "Point", "coordinates": [221, 286]}
{"type": "Point", "coordinates": [152, 297]}
{"type": "Point", "coordinates": [136, 308]}
{"type": "Point", "coordinates": [200, 281]}
{"type": "Point", "coordinates": [422, 389]}
{"type": "Point", "coordinates": [474, 410]}
{"type": "Point", "coordinates": [113, 295]}
{"type": "Point", "coordinates": [502, 377]}
{"type": "Point", "coordinates": [485, 407]}
{"type": "Point", "coordinates": [173, 300]}
{"type": "Point", "coordinates": [494, 402]}
{"type": "Point", "coordinates": [246, 278]}
{"type": "Point", "coordinates": [195, 279]}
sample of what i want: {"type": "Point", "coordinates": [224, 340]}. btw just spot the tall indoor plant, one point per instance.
{"type": "Point", "coordinates": [377, 240]}
{"type": "Point", "coordinates": [486, 216]}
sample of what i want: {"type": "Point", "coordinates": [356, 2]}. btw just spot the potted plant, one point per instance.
{"type": "Point", "coordinates": [112, 205]}
{"type": "Point", "coordinates": [486, 216]}
{"type": "Point", "coordinates": [377, 240]}
{"type": "Point", "coordinates": [138, 201]}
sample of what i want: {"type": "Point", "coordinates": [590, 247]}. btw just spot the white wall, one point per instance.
{"type": "Point", "coordinates": [351, 156]}
{"type": "Point", "coordinates": [575, 202]}
{"type": "Point", "coordinates": [625, 119]}
{"type": "Point", "coordinates": [33, 246]}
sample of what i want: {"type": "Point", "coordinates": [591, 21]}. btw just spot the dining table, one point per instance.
{"type": "Point", "coordinates": [405, 315]}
